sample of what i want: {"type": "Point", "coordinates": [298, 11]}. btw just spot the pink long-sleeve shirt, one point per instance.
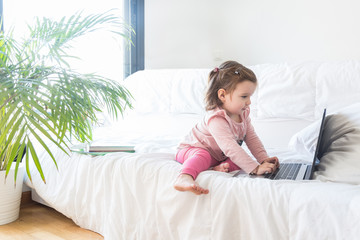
{"type": "Point", "coordinates": [219, 135]}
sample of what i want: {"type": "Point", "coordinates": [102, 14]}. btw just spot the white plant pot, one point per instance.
{"type": "Point", "coordinates": [10, 195]}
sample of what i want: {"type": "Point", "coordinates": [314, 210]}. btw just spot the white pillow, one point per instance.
{"type": "Point", "coordinates": [304, 141]}
{"type": "Point", "coordinates": [151, 90]}
{"type": "Point", "coordinates": [188, 91]}
{"type": "Point", "coordinates": [337, 85]}
{"type": "Point", "coordinates": [286, 90]}
{"type": "Point", "coordinates": [339, 149]}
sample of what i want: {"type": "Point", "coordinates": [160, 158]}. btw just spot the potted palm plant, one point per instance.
{"type": "Point", "coordinates": [43, 100]}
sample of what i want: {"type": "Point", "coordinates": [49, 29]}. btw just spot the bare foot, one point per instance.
{"type": "Point", "coordinates": [223, 167]}
{"type": "Point", "coordinates": [185, 182]}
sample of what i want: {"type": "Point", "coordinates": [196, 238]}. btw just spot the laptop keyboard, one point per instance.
{"type": "Point", "coordinates": [285, 171]}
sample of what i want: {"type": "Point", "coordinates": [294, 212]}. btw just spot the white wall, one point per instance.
{"type": "Point", "coordinates": [204, 33]}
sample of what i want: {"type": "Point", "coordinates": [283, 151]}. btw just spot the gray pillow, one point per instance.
{"type": "Point", "coordinates": [340, 148]}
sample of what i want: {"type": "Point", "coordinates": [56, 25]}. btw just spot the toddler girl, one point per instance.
{"type": "Point", "coordinates": [216, 141]}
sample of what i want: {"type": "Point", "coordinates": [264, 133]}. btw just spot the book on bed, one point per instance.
{"type": "Point", "coordinates": [101, 148]}
{"type": "Point", "coordinates": [110, 148]}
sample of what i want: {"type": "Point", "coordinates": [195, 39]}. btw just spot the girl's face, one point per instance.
{"type": "Point", "coordinates": [236, 102]}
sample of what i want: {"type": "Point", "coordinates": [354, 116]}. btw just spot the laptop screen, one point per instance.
{"type": "Point", "coordinates": [316, 161]}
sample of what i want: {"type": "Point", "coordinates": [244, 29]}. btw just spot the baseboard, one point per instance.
{"type": "Point", "coordinates": [26, 198]}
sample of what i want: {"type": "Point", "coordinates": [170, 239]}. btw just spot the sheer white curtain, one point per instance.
{"type": "Point", "coordinates": [100, 52]}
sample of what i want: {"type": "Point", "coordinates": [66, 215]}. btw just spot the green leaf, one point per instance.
{"type": "Point", "coordinates": [43, 144]}
{"type": "Point", "coordinates": [45, 133]}
{"type": "Point", "coordinates": [9, 127]}
{"type": "Point", "coordinates": [36, 159]}
{"type": "Point", "coordinates": [12, 153]}
{"type": "Point", "coordinates": [18, 159]}
{"type": "Point", "coordinates": [27, 161]}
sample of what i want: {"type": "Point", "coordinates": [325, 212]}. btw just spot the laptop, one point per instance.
{"type": "Point", "coordinates": [294, 171]}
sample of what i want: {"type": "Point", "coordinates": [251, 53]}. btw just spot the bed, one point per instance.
{"type": "Point", "coordinates": [130, 195]}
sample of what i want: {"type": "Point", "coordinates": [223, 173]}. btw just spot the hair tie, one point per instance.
{"type": "Point", "coordinates": [216, 69]}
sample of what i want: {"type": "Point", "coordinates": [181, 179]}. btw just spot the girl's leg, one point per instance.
{"type": "Point", "coordinates": [194, 160]}
{"type": "Point", "coordinates": [226, 166]}
{"type": "Point", "coordinates": [232, 166]}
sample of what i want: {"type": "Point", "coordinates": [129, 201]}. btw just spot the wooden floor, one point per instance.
{"type": "Point", "coordinates": [38, 222]}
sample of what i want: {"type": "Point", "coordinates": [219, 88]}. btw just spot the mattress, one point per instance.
{"type": "Point", "coordinates": [130, 195]}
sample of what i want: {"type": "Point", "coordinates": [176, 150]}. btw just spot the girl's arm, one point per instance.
{"type": "Point", "coordinates": [220, 130]}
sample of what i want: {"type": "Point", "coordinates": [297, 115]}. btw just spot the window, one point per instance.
{"type": "Point", "coordinates": [100, 53]}
{"type": "Point", "coordinates": [1, 14]}
{"type": "Point", "coordinates": [134, 56]}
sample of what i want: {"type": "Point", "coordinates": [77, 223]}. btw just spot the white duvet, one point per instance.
{"type": "Point", "coordinates": [130, 195]}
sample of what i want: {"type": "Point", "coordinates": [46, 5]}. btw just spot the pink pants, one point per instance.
{"type": "Point", "coordinates": [196, 160]}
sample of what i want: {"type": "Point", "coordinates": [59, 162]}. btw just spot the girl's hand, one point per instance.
{"type": "Point", "coordinates": [269, 165]}
{"type": "Point", "coordinates": [273, 160]}
{"type": "Point", "coordinates": [265, 168]}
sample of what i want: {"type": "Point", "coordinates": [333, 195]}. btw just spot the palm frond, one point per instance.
{"type": "Point", "coordinates": [42, 100]}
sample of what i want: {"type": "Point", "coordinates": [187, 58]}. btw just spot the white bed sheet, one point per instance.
{"type": "Point", "coordinates": [130, 195]}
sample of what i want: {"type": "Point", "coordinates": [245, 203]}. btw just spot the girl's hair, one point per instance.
{"type": "Point", "coordinates": [226, 77]}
